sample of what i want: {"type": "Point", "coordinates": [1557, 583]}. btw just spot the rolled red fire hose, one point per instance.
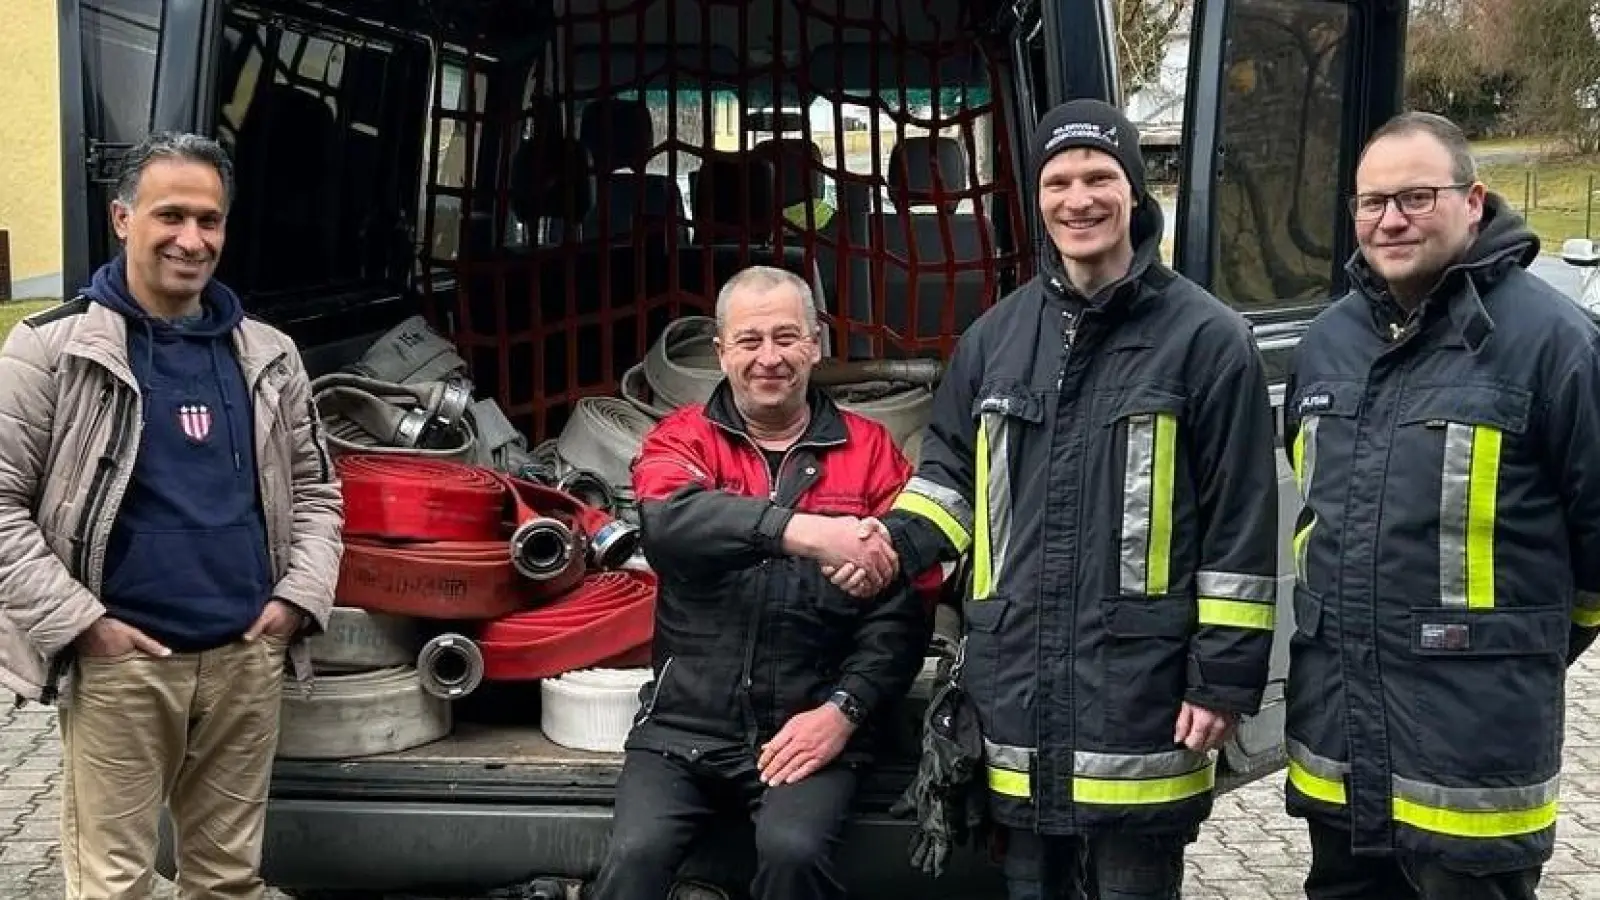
{"type": "Point", "coordinates": [444, 540]}
{"type": "Point", "coordinates": [609, 619]}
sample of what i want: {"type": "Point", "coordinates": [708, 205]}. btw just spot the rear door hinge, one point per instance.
{"type": "Point", "coordinates": [104, 161]}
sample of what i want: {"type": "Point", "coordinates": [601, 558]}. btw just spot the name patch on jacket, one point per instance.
{"type": "Point", "coordinates": [1446, 636]}
{"type": "Point", "coordinates": [1322, 401]}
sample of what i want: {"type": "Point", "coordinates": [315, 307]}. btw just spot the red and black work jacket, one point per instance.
{"type": "Point", "coordinates": [747, 636]}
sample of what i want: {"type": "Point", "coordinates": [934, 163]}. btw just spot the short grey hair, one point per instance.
{"type": "Point", "coordinates": [182, 146]}
{"type": "Point", "coordinates": [1463, 167]}
{"type": "Point", "coordinates": [762, 279]}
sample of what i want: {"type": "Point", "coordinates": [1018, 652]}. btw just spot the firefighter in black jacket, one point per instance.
{"type": "Point", "coordinates": [1102, 445]}
{"type": "Point", "coordinates": [1443, 423]}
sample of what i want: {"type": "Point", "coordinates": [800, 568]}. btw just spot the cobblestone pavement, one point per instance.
{"type": "Point", "coordinates": [1249, 850]}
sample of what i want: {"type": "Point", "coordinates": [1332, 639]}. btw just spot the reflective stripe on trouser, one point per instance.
{"type": "Point", "coordinates": [1108, 779]}
{"type": "Point", "coordinates": [1147, 504]}
{"type": "Point", "coordinates": [1455, 812]}
{"type": "Point", "coordinates": [1586, 609]}
{"type": "Point", "coordinates": [1469, 481]}
{"type": "Point", "coordinates": [942, 507]}
{"type": "Point", "coordinates": [992, 522]}
{"type": "Point", "coordinates": [1305, 467]}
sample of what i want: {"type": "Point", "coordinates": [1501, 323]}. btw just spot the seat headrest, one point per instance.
{"type": "Point", "coordinates": [618, 133]}
{"type": "Point", "coordinates": [924, 171]}
{"type": "Point", "coordinates": [799, 162]}
{"type": "Point", "coordinates": [550, 179]}
{"type": "Point", "coordinates": [733, 194]}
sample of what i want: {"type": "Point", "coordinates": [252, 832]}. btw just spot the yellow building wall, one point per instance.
{"type": "Point", "coordinates": [30, 137]}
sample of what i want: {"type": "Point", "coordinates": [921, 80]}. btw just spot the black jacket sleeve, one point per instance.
{"type": "Point", "coordinates": [890, 643]}
{"type": "Point", "coordinates": [1573, 422]}
{"type": "Point", "coordinates": [688, 527]}
{"type": "Point", "coordinates": [931, 520]}
{"type": "Point", "coordinates": [1235, 471]}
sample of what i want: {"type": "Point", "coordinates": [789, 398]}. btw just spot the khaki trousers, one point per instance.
{"type": "Point", "coordinates": [196, 732]}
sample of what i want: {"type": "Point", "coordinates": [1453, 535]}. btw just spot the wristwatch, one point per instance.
{"type": "Point", "coordinates": [849, 705]}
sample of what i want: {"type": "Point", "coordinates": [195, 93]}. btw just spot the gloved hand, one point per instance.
{"type": "Point", "coordinates": [946, 796]}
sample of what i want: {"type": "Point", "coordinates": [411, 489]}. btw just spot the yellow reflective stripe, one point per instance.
{"type": "Point", "coordinates": [916, 504]}
{"type": "Point", "coordinates": [1315, 786]}
{"type": "Point", "coordinates": [1485, 484]}
{"type": "Point", "coordinates": [1301, 539]}
{"type": "Point", "coordinates": [1142, 792]}
{"type": "Point", "coordinates": [1161, 504]}
{"type": "Point", "coordinates": [1475, 823]}
{"type": "Point", "coordinates": [1237, 613]}
{"type": "Point", "coordinates": [1009, 783]}
{"type": "Point", "coordinates": [1586, 609]}
{"type": "Point", "coordinates": [982, 552]}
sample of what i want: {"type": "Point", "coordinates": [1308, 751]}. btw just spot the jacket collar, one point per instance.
{"type": "Point", "coordinates": [101, 336]}
{"type": "Point", "coordinates": [826, 428]}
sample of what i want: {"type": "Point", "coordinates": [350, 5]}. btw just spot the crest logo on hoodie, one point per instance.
{"type": "Point", "coordinates": [195, 420]}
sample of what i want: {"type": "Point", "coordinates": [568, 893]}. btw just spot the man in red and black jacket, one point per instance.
{"type": "Point", "coordinates": [768, 678]}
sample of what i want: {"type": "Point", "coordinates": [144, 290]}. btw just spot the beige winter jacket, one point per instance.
{"type": "Point", "coordinates": [70, 423]}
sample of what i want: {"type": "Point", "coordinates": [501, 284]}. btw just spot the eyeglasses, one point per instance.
{"type": "Point", "coordinates": [1411, 202]}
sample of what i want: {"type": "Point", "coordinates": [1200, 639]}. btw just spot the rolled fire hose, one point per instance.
{"type": "Point", "coordinates": [450, 666]}
{"type": "Point", "coordinates": [681, 365]}
{"type": "Point", "coordinates": [611, 541]}
{"type": "Point", "coordinates": [360, 714]}
{"type": "Point", "coordinates": [602, 436]}
{"type": "Point", "coordinates": [610, 616]}
{"type": "Point", "coordinates": [357, 639]}
{"type": "Point", "coordinates": [590, 709]}
{"type": "Point", "coordinates": [363, 415]}
{"type": "Point", "coordinates": [427, 538]}
{"type": "Point", "coordinates": [411, 352]}
{"type": "Point", "coordinates": [500, 445]}
{"type": "Point", "coordinates": [635, 389]}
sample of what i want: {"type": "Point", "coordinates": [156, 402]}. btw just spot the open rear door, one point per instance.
{"type": "Point", "coordinates": [1280, 96]}
{"type": "Point", "coordinates": [127, 66]}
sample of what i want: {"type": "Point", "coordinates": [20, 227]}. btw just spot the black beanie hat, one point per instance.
{"type": "Point", "coordinates": [1089, 123]}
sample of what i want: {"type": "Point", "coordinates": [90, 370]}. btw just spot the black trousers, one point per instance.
{"type": "Point", "coordinates": [1104, 867]}
{"type": "Point", "coordinates": [662, 803]}
{"type": "Point", "coordinates": [1338, 874]}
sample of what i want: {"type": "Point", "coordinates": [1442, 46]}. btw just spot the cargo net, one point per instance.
{"type": "Point", "coordinates": [659, 146]}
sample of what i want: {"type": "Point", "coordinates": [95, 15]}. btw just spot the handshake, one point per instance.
{"type": "Point", "coordinates": [856, 554]}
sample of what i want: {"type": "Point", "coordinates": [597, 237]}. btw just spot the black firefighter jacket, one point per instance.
{"type": "Point", "coordinates": [1119, 500]}
{"type": "Point", "coordinates": [1448, 555]}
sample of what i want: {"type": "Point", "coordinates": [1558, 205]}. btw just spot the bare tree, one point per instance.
{"type": "Point", "coordinates": [1143, 29]}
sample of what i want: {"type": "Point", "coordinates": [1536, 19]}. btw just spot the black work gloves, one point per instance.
{"type": "Point", "coordinates": [948, 796]}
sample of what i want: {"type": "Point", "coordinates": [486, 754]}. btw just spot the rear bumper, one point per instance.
{"type": "Point", "coordinates": [439, 847]}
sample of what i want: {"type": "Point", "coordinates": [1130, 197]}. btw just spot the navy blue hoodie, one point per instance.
{"type": "Point", "coordinates": [187, 562]}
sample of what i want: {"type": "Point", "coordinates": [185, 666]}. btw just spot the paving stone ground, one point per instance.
{"type": "Point", "coordinates": [1249, 850]}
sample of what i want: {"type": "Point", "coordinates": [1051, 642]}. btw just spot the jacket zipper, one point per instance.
{"type": "Point", "coordinates": [94, 423]}
{"type": "Point", "coordinates": [650, 708]}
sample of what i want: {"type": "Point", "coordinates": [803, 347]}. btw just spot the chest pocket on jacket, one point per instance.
{"type": "Point", "coordinates": [1145, 419]}
{"type": "Point", "coordinates": [1473, 426]}
{"type": "Point", "coordinates": [1002, 412]}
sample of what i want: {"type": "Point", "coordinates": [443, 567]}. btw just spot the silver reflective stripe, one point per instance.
{"type": "Point", "coordinates": [1003, 756]}
{"type": "Point", "coordinates": [948, 500]}
{"type": "Point", "coordinates": [1236, 586]}
{"type": "Point", "coordinates": [1478, 799]}
{"type": "Point", "coordinates": [999, 496]}
{"type": "Point", "coordinates": [1137, 486]}
{"type": "Point", "coordinates": [1454, 491]}
{"type": "Point", "coordinates": [1304, 473]}
{"type": "Point", "coordinates": [1320, 766]}
{"type": "Point", "coordinates": [1138, 765]}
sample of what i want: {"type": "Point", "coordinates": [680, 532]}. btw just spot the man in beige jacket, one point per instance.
{"type": "Point", "coordinates": [169, 528]}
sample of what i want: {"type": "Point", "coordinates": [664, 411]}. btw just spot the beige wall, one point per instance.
{"type": "Point", "coordinates": [30, 137]}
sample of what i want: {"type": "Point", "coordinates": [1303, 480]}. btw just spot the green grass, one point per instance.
{"type": "Point", "coordinates": [14, 312]}
{"type": "Point", "coordinates": [1553, 194]}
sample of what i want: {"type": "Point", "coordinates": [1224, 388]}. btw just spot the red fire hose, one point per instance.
{"type": "Point", "coordinates": [428, 538]}
{"type": "Point", "coordinates": [609, 619]}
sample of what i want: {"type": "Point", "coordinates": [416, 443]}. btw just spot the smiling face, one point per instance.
{"type": "Point", "coordinates": [767, 350]}
{"type": "Point", "coordinates": [173, 231]}
{"type": "Point", "coordinates": [1409, 251]}
{"type": "Point", "coordinates": [1087, 204]}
